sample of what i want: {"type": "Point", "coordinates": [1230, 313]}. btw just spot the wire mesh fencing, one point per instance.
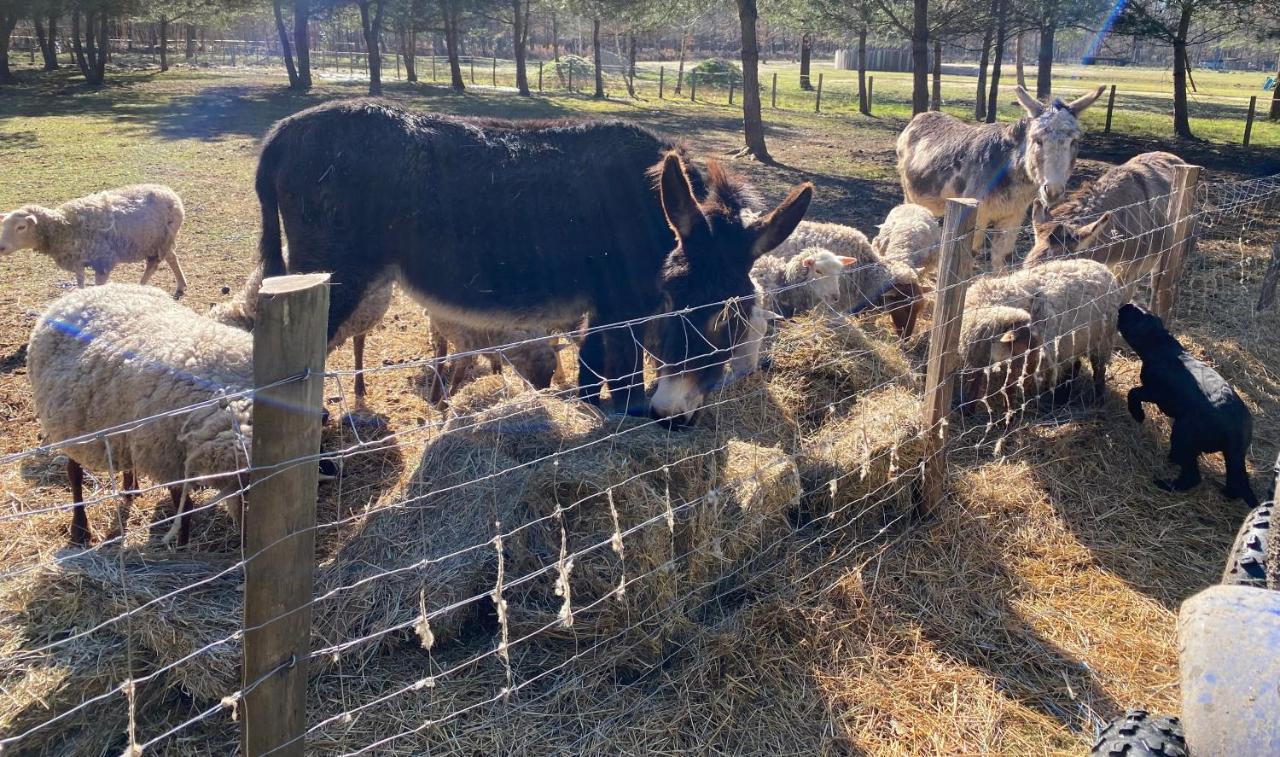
{"type": "Point", "coordinates": [521, 566]}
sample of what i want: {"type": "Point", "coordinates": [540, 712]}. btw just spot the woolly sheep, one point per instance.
{"type": "Point", "coordinates": [241, 311]}
{"type": "Point", "coordinates": [531, 353]}
{"type": "Point", "coordinates": [869, 281]}
{"type": "Point", "coordinates": [910, 234]}
{"type": "Point", "coordinates": [745, 357]}
{"type": "Point", "coordinates": [801, 283]}
{"type": "Point", "coordinates": [124, 225]}
{"type": "Point", "coordinates": [111, 355]}
{"type": "Point", "coordinates": [1031, 324]}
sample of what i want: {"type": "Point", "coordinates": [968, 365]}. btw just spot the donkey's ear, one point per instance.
{"type": "Point", "coordinates": [773, 229]}
{"type": "Point", "coordinates": [1032, 106]}
{"type": "Point", "coordinates": [1091, 234]}
{"type": "Point", "coordinates": [678, 202]}
{"type": "Point", "coordinates": [1078, 105]}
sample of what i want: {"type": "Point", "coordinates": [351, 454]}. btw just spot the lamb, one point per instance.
{"type": "Point", "coordinates": [802, 283]}
{"type": "Point", "coordinates": [869, 281]}
{"type": "Point", "coordinates": [124, 225]}
{"type": "Point", "coordinates": [1130, 205]}
{"type": "Point", "coordinates": [745, 358]}
{"type": "Point", "coordinates": [108, 356]}
{"type": "Point", "coordinates": [1208, 416]}
{"type": "Point", "coordinates": [531, 353]}
{"type": "Point", "coordinates": [241, 311]}
{"type": "Point", "coordinates": [910, 234]}
{"type": "Point", "coordinates": [1027, 327]}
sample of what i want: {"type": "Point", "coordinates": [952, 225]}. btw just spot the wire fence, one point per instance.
{"type": "Point", "coordinates": [523, 567]}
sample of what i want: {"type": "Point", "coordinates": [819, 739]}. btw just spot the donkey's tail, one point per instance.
{"type": "Point", "coordinates": [270, 248]}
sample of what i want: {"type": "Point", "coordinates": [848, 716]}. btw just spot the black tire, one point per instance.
{"type": "Point", "coordinates": [1247, 562]}
{"type": "Point", "coordinates": [1140, 734]}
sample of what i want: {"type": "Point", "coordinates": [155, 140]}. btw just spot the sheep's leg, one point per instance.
{"type": "Point", "coordinates": [80, 278]}
{"type": "Point", "coordinates": [129, 483]}
{"type": "Point", "coordinates": [357, 348]}
{"type": "Point", "coordinates": [180, 530]}
{"type": "Point", "coordinates": [101, 276]}
{"type": "Point", "coordinates": [495, 363]}
{"type": "Point", "coordinates": [438, 392]}
{"type": "Point", "coordinates": [80, 534]}
{"type": "Point", "coordinates": [1183, 453]}
{"type": "Point", "coordinates": [1098, 362]}
{"type": "Point", "coordinates": [1238, 477]}
{"type": "Point", "coordinates": [176, 267]}
{"type": "Point", "coordinates": [153, 264]}
{"type": "Point", "coordinates": [1003, 241]}
{"type": "Point", "coordinates": [1137, 396]}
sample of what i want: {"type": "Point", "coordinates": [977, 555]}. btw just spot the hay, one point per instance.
{"type": "Point", "coordinates": [872, 457]}
{"type": "Point", "coordinates": [506, 412]}
{"type": "Point", "coordinates": [434, 542]}
{"type": "Point", "coordinates": [752, 409]}
{"type": "Point", "coordinates": [823, 363]}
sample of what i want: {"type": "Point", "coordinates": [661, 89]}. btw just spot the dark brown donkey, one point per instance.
{"type": "Point", "coordinates": [494, 223]}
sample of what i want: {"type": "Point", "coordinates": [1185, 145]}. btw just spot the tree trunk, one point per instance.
{"type": "Point", "coordinates": [302, 41]}
{"type": "Point", "coordinates": [753, 125]}
{"type": "Point", "coordinates": [48, 38]}
{"type": "Point", "coordinates": [164, 42]}
{"type": "Point", "coordinates": [7, 23]}
{"type": "Point", "coordinates": [76, 49]}
{"type": "Point", "coordinates": [1181, 117]}
{"type": "Point", "coordinates": [684, 38]}
{"type": "Point", "coordinates": [920, 57]}
{"type": "Point", "coordinates": [1044, 65]}
{"type": "Point", "coordinates": [409, 49]}
{"type": "Point", "coordinates": [555, 37]}
{"type": "Point", "coordinates": [285, 51]}
{"type": "Point", "coordinates": [595, 46]}
{"type": "Point", "coordinates": [370, 26]}
{"type": "Point", "coordinates": [1017, 61]}
{"type": "Point", "coordinates": [864, 103]}
{"type": "Point", "coordinates": [191, 41]}
{"type": "Point", "coordinates": [631, 64]}
{"type": "Point", "coordinates": [451, 24]}
{"type": "Point", "coordinates": [935, 99]}
{"type": "Point", "coordinates": [980, 102]}
{"type": "Point", "coordinates": [519, 35]}
{"type": "Point", "coordinates": [806, 54]}
{"type": "Point", "coordinates": [993, 97]}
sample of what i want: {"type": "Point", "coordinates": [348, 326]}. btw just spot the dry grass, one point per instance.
{"type": "Point", "coordinates": [1041, 598]}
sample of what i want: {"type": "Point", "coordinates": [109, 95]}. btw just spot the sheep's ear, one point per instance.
{"type": "Point", "coordinates": [1091, 234]}
{"type": "Point", "coordinates": [1008, 337]}
{"type": "Point", "coordinates": [768, 315]}
{"type": "Point", "coordinates": [1032, 106]}
{"type": "Point", "coordinates": [845, 260]}
{"type": "Point", "coordinates": [32, 219]}
{"type": "Point", "coordinates": [773, 229]}
{"type": "Point", "coordinates": [678, 202]}
{"type": "Point", "coordinates": [807, 262]}
{"type": "Point", "coordinates": [1078, 105]}
{"type": "Point", "coordinates": [1040, 213]}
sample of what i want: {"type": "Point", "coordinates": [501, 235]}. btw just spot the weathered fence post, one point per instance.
{"type": "Point", "coordinates": [280, 511]}
{"type": "Point", "coordinates": [570, 75]}
{"type": "Point", "coordinates": [1111, 104]}
{"type": "Point", "coordinates": [871, 88]}
{"type": "Point", "coordinates": [1176, 241]}
{"type": "Point", "coordinates": [953, 282]}
{"type": "Point", "coordinates": [539, 77]}
{"type": "Point", "coordinates": [693, 87]}
{"type": "Point", "coordinates": [817, 103]}
{"type": "Point", "coordinates": [731, 93]}
{"type": "Point", "coordinates": [662, 80]}
{"type": "Point", "coordinates": [495, 70]}
{"type": "Point", "coordinates": [1267, 293]}
{"type": "Point", "coordinates": [433, 67]}
{"type": "Point", "coordinates": [473, 69]}
{"type": "Point", "coordinates": [1248, 121]}
{"type": "Point", "coordinates": [773, 97]}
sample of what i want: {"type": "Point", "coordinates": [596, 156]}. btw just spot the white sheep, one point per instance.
{"type": "Point", "coordinates": [529, 351]}
{"type": "Point", "coordinates": [1026, 328]}
{"type": "Point", "coordinates": [124, 225]}
{"type": "Point", "coordinates": [910, 234]}
{"type": "Point", "coordinates": [802, 283]}
{"type": "Point", "coordinates": [869, 281]}
{"type": "Point", "coordinates": [241, 312]}
{"type": "Point", "coordinates": [745, 356]}
{"type": "Point", "coordinates": [111, 355]}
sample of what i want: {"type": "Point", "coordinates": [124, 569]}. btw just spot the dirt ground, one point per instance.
{"type": "Point", "coordinates": [1041, 601]}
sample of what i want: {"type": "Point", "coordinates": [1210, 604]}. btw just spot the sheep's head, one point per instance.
{"type": "Point", "coordinates": [536, 361]}
{"type": "Point", "coordinates": [17, 231]}
{"type": "Point", "coordinates": [1059, 239]}
{"type": "Point", "coordinates": [822, 270]}
{"type": "Point", "coordinates": [1002, 351]}
{"type": "Point", "coordinates": [216, 443]}
{"type": "Point", "coordinates": [1143, 331]}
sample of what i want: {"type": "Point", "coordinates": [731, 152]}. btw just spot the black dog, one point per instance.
{"type": "Point", "coordinates": [1207, 414]}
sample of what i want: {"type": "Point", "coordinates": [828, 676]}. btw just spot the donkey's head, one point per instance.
{"type": "Point", "coordinates": [1059, 239]}
{"type": "Point", "coordinates": [709, 295]}
{"type": "Point", "coordinates": [1052, 140]}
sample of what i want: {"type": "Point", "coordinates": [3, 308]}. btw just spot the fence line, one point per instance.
{"type": "Point", "coordinates": [597, 541]}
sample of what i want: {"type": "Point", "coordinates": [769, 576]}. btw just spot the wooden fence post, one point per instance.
{"type": "Point", "coordinates": [433, 66]}
{"type": "Point", "coordinates": [693, 87]}
{"type": "Point", "coordinates": [495, 71]}
{"type": "Point", "coordinates": [731, 93]}
{"type": "Point", "coordinates": [539, 77]}
{"type": "Point", "coordinates": [1248, 121]}
{"type": "Point", "coordinates": [397, 65]}
{"type": "Point", "coordinates": [871, 88]}
{"type": "Point", "coordinates": [1111, 104]}
{"type": "Point", "coordinates": [1267, 293]}
{"type": "Point", "coordinates": [662, 80]}
{"type": "Point", "coordinates": [571, 75]}
{"type": "Point", "coordinates": [817, 103]}
{"type": "Point", "coordinates": [280, 511]}
{"type": "Point", "coordinates": [773, 98]}
{"type": "Point", "coordinates": [953, 281]}
{"type": "Point", "coordinates": [1176, 241]}
{"type": "Point", "coordinates": [473, 69]}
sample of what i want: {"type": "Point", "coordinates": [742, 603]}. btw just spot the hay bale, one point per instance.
{"type": "Point", "coordinates": [822, 364]}
{"type": "Point", "coordinates": [872, 455]}
{"type": "Point", "coordinates": [507, 413]}
{"type": "Point", "coordinates": [752, 409]}
{"type": "Point", "coordinates": [430, 549]}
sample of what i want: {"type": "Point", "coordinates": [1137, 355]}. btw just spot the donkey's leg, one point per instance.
{"type": "Point", "coordinates": [624, 368]}
{"type": "Point", "coordinates": [357, 348]}
{"type": "Point", "coordinates": [591, 367]}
